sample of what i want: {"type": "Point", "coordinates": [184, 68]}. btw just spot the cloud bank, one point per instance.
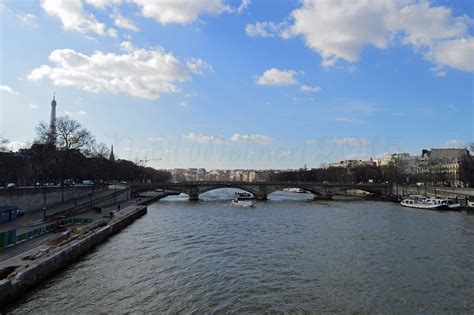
{"type": "Point", "coordinates": [137, 72]}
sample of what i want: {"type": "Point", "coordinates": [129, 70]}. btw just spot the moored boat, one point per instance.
{"type": "Point", "coordinates": [431, 203]}
{"type": "Point", "coordinates": [243, 199]}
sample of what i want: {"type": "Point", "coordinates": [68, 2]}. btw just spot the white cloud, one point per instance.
{"type": "Point", "coordinates": [438, 72]}
{"type": "Point", "coordinates": [75, 114]}
{"type": "Point", "coordinates": [456, 53]}
{"type": "Point", "coordinates": [203, 139]}
{"type": "Point", "coordinates": [310, 89]}
{"type": "Point", "coordinates": [286, 152]}
{"type": "Point", "coordinates": [138, 72]}
{"type": "Point", "coordinates": [28, 19]}
{"type": "Point", "coordinates": [180, 11]}
{"type": "Point", "coordinates": [183, 104]}
{"type": "Point", "coordinates": [75, 18]}
{"type": "Point", "coordinates": [127, 46]}
{"type": "Point", "coordinates": [454, 143]}
{"type": "Point", "coordinates": [339, 29]}
{"type": "Point", "coordinates": [352, 141]}
{"type": "Point", "coordinates": [250, 138]}
{"type": "Point", "coordinates": [33, 106]}
{"type": "Point", "coordinates": [102, 4]}
{"type": "Point", "coordinates": [348, 120]}
{"type": "Point", "coordinates": [423, 25]}
{"type": "Point", "coordinates": [7, 89]}
{"type": "Point", "coordinates": [197, 66]}
{"type": "Point", "coordinates": [156, 139]}
{"type": "Point", "coordinates": [123, 22]}
{"type": "Point", "coordinates": [310, 142]}
{"type": "Point", "coordinates": [243, 5]}
{"type": "Point", "coordinates": [263, 29]}
{"type": "Point", "coordinates": [277, 77]}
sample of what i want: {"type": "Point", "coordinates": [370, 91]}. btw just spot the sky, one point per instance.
{"type": "Point", "coordinates": [253, 84]}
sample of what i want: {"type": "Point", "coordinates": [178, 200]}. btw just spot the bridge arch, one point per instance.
{"type": "Point", "coordinates": [206, 189]}
{"type": "Point", "coordinates": [317, 193]}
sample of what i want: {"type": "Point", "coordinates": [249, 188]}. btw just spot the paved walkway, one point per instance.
{"type": "Point", "coordinates": [12, 251]}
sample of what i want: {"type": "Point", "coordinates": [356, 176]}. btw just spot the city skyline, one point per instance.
{"type": "Point", "coordinates": [199, 88]}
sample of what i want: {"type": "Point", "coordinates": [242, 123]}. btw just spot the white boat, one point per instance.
{"type": "Point", "coordinates": [243, 199]}
{"type": "Point", "coordinates": [433, 203]}
{"type": "Point", "coordinates": [470, 202]}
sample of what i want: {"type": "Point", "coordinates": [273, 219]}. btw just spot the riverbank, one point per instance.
{"type": "Point", "coordinates": [23, 272]}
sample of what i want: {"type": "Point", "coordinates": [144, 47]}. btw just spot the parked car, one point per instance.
{"type": "Point", "coordinates": [20, 212]}
{"type": "Point", "coordinates": [87, 182]}
{"type": "Point", "coordinates": [11, 185]}
{"type": "Point", "coordinates": [69, 182]}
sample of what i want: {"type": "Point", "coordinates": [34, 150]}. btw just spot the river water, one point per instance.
{"type": "Point", "coordinates": [287, 254]}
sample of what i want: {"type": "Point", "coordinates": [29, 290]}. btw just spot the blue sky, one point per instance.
{"type": "Point", "coordinates": [251, 84]}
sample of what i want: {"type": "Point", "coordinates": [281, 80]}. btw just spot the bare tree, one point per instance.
{"type": "Point", "coordinates": [70, 137]}
{"type": "Point", "coordinates": [3, 145]}
{"type": "Point", "coordinates": [100, 150]}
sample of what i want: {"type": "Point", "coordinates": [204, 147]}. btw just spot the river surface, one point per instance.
{"type": "Point", "coordinates": [288, 254]}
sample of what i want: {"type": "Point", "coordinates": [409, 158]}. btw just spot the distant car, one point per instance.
{"type": "Point", "coordinates": [20, 213]}
{"type": "Point", "coordinates": [11, 185]}
{"type": "Point", "coordinates": [87, 182]}
{"type": "Point", "coordinates": [69, 182]}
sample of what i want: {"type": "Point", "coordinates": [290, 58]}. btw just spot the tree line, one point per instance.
{"type": "Point", "coordinates": [392, 173]}
{"type": "Point", "coordinates": [69, 154]}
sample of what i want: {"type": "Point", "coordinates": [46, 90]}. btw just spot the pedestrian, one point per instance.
{"type": "Point", "coordinates": [118, 207]}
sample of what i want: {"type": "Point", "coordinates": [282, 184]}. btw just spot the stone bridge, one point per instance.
{"type": "Point", "coordinates": [262, 189]}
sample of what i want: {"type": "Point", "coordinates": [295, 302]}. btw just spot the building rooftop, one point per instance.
{"type": "Point", "coordinates": [447, 154]}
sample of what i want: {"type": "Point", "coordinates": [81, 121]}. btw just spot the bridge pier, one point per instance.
{"type": "Point", "coordinates": [261, 197]}
{"type": "Point", "coordinates": [193, 197]}
{"type": "Point", "coordinates": [322, 197]}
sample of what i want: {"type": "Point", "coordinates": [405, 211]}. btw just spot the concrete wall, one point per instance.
{"type": "Point", "coordinates": [107, 200]}
{"type": "Point", "coordinates": [36, 198]}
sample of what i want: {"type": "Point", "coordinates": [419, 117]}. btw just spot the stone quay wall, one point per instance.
{"type": "Point", "coordinates": [36, 197]}
{"type": "Point", "coordinates": [16, 279]}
